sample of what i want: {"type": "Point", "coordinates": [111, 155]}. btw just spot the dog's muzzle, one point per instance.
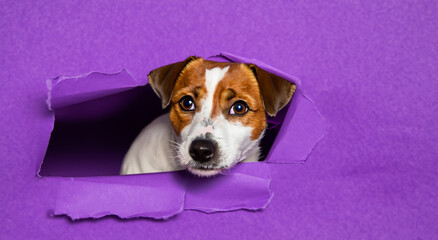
{"type": "Point", "coordinates": [202, 150]}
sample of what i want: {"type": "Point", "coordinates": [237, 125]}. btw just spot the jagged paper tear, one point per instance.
{"type": "Point", "coordinates": [163, 195]}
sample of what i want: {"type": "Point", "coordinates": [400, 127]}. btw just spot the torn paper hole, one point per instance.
{"type": "Point", "coordinates": [97, 116]}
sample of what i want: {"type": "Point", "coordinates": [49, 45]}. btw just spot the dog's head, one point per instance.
{"type": "Point", "coordinates": [218, 110]}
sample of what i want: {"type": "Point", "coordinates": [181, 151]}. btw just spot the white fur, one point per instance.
{"type": "Point", "coordinates": [153, 150]}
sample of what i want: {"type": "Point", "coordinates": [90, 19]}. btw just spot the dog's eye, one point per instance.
{"type": "Point", "coordinates": [187, 104]}
{"type": "Point", "coordinates": [239, 108]}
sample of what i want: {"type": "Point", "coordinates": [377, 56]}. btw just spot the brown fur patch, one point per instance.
{"type": "Point", "coordinates": [191, 82]}
{"type": "Point", "coordinates": [239, 83]}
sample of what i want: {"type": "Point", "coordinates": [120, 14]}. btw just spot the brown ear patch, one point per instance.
{"type": "Point", "coordinates": [163, 79]}
{"type": "Point", "coordinates": [276, 91]}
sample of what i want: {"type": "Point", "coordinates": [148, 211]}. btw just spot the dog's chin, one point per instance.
{"type": "Point", "coordinates": [204, 172]}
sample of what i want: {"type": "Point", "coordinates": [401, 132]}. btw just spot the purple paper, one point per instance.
{"type": "Point", "coordinates": [96, 98]}
{"type": "Point", "coordinates": [153, 196]}
{"type": "Point", "coordinates": [66, 91]}
{"type": "Point", "coordinates": [245, 187]}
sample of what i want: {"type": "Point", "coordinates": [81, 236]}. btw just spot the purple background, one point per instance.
{"type": "Point", "coordinates": [370, 68]}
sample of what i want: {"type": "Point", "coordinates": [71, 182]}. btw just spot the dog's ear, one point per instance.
{"type": "Point", "coordinates": [276, 91]}
{"type": "Point", "coordinates": [163, 79]}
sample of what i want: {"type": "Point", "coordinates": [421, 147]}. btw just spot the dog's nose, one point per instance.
{"type": "Point", "coordinates": [202, 150]}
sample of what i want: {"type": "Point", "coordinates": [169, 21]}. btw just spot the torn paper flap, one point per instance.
{"type": "Point", "coordinates": [155, 196]}
{"type": "Point", "coordinates": [244, 187]}
{"type": "Point", "coordinates": [163, 195]}
{"type": "Point", "coordinates": [65, 91]}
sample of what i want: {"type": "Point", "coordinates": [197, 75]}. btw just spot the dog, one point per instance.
{"type": "Point", "coordinates": [217, 117]}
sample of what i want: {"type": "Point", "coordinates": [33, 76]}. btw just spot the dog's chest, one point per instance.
{"type": "Point", "coordinates": [152, 150]}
